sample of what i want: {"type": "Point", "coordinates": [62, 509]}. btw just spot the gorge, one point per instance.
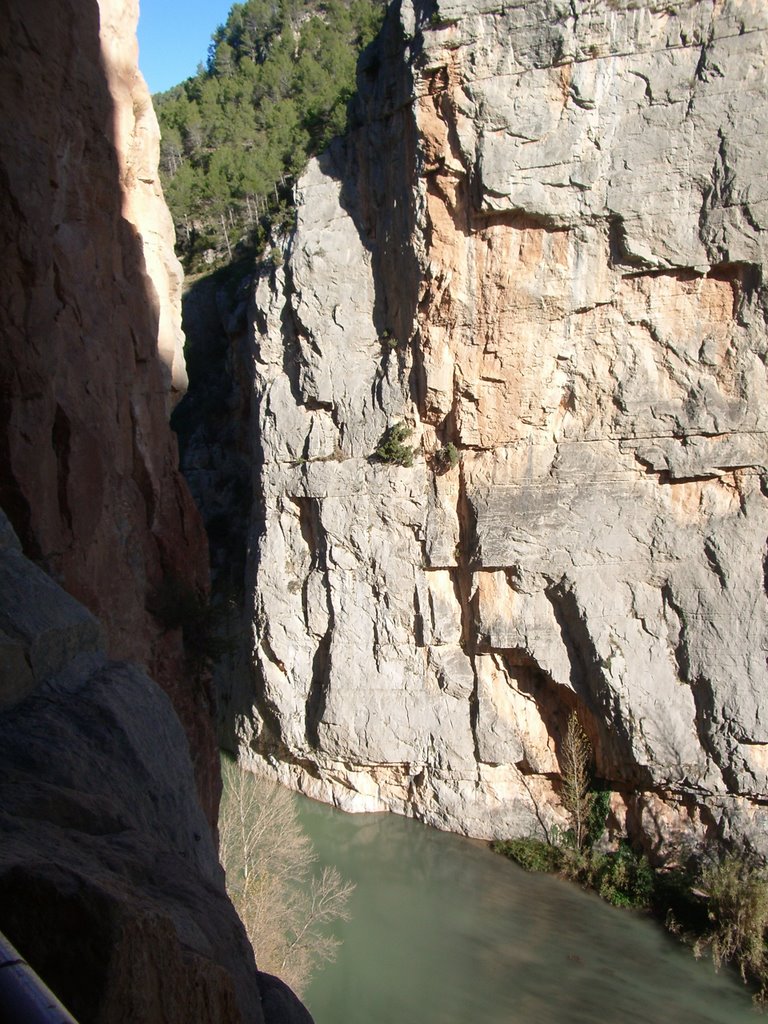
{"type": "Point", "coordinates": [540, 253]}
{"type": "Point", "coordinates": [480, 444]}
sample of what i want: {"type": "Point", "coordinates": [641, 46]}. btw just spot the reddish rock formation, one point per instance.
{"type": "Point", "coordinates": [88, 464]}
{"type": "Point", "coordinates": [110, 885]}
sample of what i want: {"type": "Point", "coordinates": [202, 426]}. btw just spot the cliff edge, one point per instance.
{"type": "Point", "coordinates": [542, 251]}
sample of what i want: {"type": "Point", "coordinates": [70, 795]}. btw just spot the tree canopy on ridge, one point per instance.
{"type": "Point", "coordinates": [274, 92]}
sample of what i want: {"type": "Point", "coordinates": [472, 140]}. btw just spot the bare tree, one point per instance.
{"type": "Point", "coordinates": [576, 764]}
{"type": "Point", "coordinates": [268, 858]}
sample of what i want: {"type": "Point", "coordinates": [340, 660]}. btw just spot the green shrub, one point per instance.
{"type": "Point", "coordinates": [623, 878]}
{"type": "Point", "coordinates": [596, 818]}
{"type": "Point", "coordinates": [531, 854]}
{"type": "Point", "coordinates": [446, 458]}
{"type": "Point", "coordinates": [391, 447]}
{"type": "Point", "coordinates": [737, 908]}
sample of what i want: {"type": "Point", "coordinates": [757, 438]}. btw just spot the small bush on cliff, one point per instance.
{"type": "Point", "coordinates": [389, 341]}
{"type": "Point", "coordinates": [268, 858]}
{"type": "Point", "coordinates": [392, 448]}
{"type": "Point", "coordinates": [446, 458]}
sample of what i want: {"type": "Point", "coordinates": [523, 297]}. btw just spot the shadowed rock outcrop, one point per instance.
{"type": "Point", "coordinates": [544, 243]}
{"type": "Point", "coordinates": [90, 338]}
{"type": "Point", "coordinates": [110, 884]}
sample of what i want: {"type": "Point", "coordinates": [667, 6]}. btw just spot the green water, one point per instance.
{"type": "Point", "coordinates": [445, 932]}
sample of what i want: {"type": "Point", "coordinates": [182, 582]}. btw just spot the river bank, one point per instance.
{"type": "Point", "coordinates": [443, 931]}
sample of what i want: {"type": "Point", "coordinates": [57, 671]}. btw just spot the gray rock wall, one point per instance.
{"type": "Point", "coordinates": [544, 243]}
{"type": "Point", "coordinates": [110, 884]}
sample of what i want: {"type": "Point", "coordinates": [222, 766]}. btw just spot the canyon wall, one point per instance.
{"type": "Point", "coordinates": [110, 884]}
{"type": "Point", "coordinates": [541, 249]}
{"type": "Point", "coordinates": [90, 329]}
{"type": "Point", "coordinates": [109, 880]}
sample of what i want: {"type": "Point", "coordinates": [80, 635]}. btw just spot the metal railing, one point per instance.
{"type": "Point", "coordinates": [24, 997]}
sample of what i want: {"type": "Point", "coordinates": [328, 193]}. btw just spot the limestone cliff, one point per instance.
{"type": "Point", "coordinates": [91, 338]}
{"type": "Point", "coordinates": [110, 884]}
{"type": "Point", "coordinates": [544, 243]}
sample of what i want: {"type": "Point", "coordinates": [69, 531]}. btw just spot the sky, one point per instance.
{"type": "Point", "coordinates": [174, 37]}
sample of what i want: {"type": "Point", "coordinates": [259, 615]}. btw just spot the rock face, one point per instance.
{"type": "Point", "coordinates": [137, 147]}
{"type": "Point", "coordinates": [91, 339]}
{"type": "Point", "coordinates": [544, 244]}
{"type": "Point", "coordinates": [110, 884]}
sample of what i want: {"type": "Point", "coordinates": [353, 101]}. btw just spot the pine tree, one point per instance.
{"type": "Point", "coordinates": [273, 93]}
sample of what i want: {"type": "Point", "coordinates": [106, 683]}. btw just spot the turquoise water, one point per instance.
{"type": "Point", "coordinates": [445, 932]}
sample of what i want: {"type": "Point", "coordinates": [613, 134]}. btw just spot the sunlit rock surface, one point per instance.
{"type": "Point", "coordinates": [544, 243]}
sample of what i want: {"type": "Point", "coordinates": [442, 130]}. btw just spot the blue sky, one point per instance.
{"type": "Point", "coordinates": [174, 37]}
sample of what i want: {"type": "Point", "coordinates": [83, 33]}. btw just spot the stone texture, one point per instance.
{"type": "Point", "coordinates": [109, 878]}
{"type": "Point", "coordinates": [41, 627]}
{"type": "Point", "coordinates": [137, 147]}
{"type": "Point", "coordinates": [545, 243]}
{"type": "Point", "coordinates": [90, 338]}
{"type": "Point", "coordinates": [110, 884]}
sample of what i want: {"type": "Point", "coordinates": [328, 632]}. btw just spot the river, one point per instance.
{"type": "Point", "coordinates": [444, 931]}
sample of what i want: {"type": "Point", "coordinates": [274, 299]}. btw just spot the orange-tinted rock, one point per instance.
{"type": "Point", "coordinates": [544, 245]}
{"type": "Point", "coordinates": [90, 344]}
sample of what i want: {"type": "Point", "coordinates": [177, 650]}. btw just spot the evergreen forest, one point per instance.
{"type": "Point", "coordinates": [274, 92]}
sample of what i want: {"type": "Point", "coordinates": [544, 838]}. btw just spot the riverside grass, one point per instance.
{"type": "Point", "coordinates": [718, 906]}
